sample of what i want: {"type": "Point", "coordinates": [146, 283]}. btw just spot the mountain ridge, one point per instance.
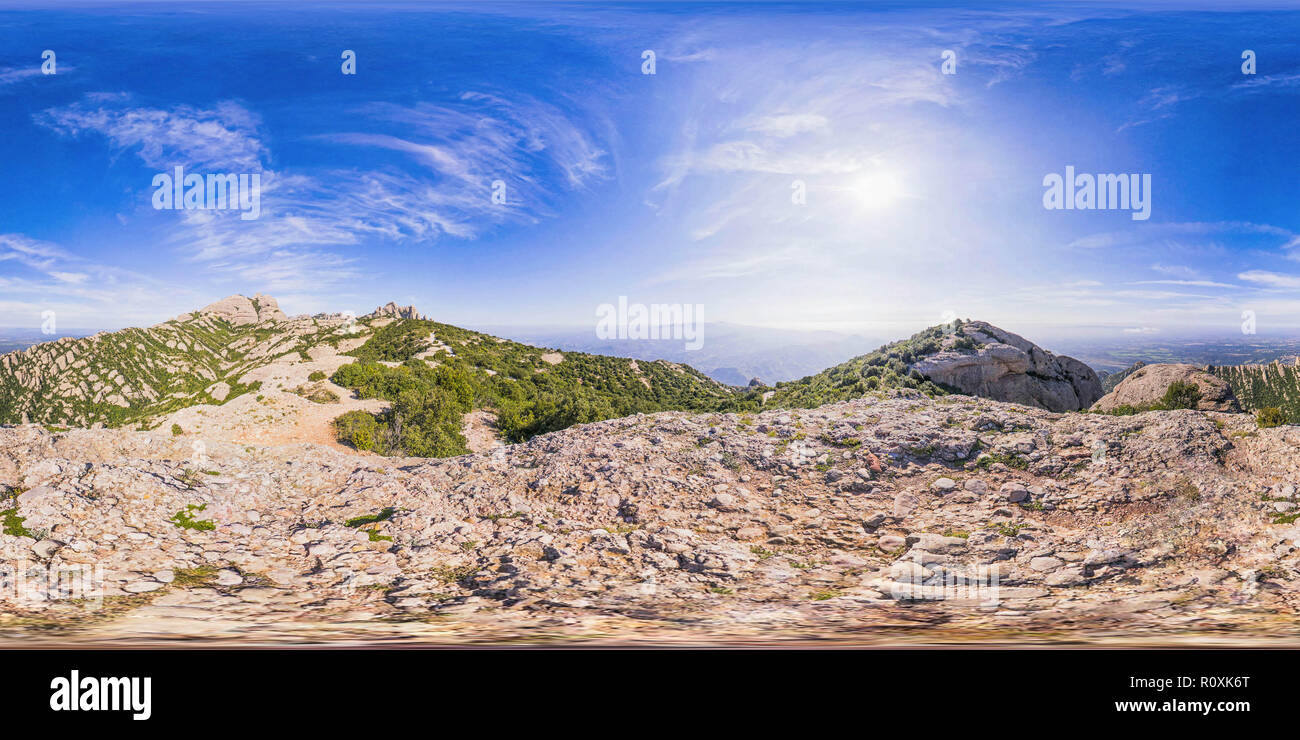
{"type": "Point", "coordinates": [237, 347]}
{"type": "Point", "coordinates": [971, 357]}
{"type": "Point", "coordinates": [396, 382]}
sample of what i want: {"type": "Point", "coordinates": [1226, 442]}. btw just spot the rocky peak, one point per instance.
{"type": "Point", "coordinates": [1007, 367]}
{"type": "Point", "coordinates": [239, 309]}
{"type": "Point", "coordinates": [391, 310]}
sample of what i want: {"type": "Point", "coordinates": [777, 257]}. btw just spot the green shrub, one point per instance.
{"type": "Point", "coordinates": [12, 524]}
{"type": "Point", "coordinates": [176, 430]}
{"type": "Point", "coordinates": [396, 342]}
{"type": "Point", "coordinates": [1009, 459]}
{"type": "Point", "coordinates": [1124, 409]}
{"type": "Point", "coordinates": [1270, 416]}
{"type": "Point", "coordinates": [382, 515]}
{"type": "Point", "coordinates": [357, 428]}
{"type": "Point", "coordinates": [530, 396]}
{"type": "Point", "coordinates": [1181, 394]}
{"type": "Point", "coordinates": [185, 519]}
{"type": "Point", "coordinates": [316, 375]}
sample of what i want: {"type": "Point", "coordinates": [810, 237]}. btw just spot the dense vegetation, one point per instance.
{"type": "Point", "coordinates": [424, 418]}
{"type": "Point", "coordinates": [885, 368]}
{"type": "Point", "coordinates": [1264, 386]}
{"type": "Point", "coordinates": [529, 394]}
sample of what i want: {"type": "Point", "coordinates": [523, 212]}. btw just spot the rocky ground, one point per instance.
{"type": "Point", "coordinates": [892, 520]}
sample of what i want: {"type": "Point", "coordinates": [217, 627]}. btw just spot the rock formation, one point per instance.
{"type": "Point", "coordinates": [391, 310]}
{"type": "Point", "coordinates": [1008, 367]}
{"type": "Point", "coordinates": [240, 310]}
{"type": "Point", "coordinates": [1147, 385]}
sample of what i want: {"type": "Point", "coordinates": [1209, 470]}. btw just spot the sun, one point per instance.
{"type": "Point", "coordinates": [877, 190]}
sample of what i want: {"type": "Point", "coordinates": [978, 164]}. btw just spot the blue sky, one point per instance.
{"type": "Point", "coordinates": [924, 190]}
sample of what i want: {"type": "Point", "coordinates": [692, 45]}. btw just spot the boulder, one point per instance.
{"type": "Point", "coordinates": [1008, 367]}
{"type": "Point", "coordinates": [1147, 385]}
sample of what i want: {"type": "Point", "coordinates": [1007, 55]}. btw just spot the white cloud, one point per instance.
{"type": "Point", "coordinates": [33, 253]}
{"type": "Point", "coordinates": [1270, 279]}
{"type": "Point", "coordinates": [463, 146]}
{"type": "Point", "coordinates": [82, 293]}
{"type": "Point", "coordinates": [1176, 271]}
{"type": "Point", "coordinates": [1193, 283]}
{"type": "Point", "coordinates": [222, 138]}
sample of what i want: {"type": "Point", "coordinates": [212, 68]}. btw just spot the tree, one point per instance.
{"type": "Point", "coordinates": [1270, 416]}
{"type": "Point", "coordinates": [1181, 394]}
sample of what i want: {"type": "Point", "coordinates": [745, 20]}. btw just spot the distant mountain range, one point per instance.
{"type": "Point", "coordinates": [732, 353]}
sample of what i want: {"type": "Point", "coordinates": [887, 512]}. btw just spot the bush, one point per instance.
{"type": "Point", "coordinates": [1181, 395]}
{"type": "Point", "coordinates": [550, 413]}
{"type": "Point", "coordinates": [1270, 416]}
{"type": "Point", "coordinates": [315, 376]}
{"type": "Point", "coordinates": [357, 428]}
{"type": "Point", "coordinates": [396, 342]}
{"type": "Point", "coordinates": [176, 430]}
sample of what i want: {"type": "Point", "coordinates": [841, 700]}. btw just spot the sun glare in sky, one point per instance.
{"type": "Point", "coordinates": [877, 190]}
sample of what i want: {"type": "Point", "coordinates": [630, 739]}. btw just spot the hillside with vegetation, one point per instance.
{"type": "Point", "coordinates": [887, 367]}
{"type": "Point", "coordinates": [434, 373]}
{"type": "Point", "coordinates": [134, 376]}
{"type": "Point", "coordinates": [973, 358]}
{"type": "Point", "coordinates": [1257, 387]}
{"type": "Point", "coordinates": [418, 387]}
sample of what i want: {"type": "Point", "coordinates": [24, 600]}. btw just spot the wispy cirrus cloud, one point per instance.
{"type": "Point", "coordinates": [1280, 238]}
{"type": "Point", "coordinates": [1163, 101]}
{"type": "Point", "coordinates": [11, 75]}
{"type": "Point", "coordinates": [1185, 283]}
{"type": "Point", "coordinates": [80, 291]}
{"type": "Point", "coordinates": [34, 253]}
{"type": "Point", "coordinates": [481, 137]}
{"type": "Point", "coordinates": [224, 137]}
{"type": "Point", "coordinates": [459, 149]}
{"type": "Point", "coordinates": [1271, 279]}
